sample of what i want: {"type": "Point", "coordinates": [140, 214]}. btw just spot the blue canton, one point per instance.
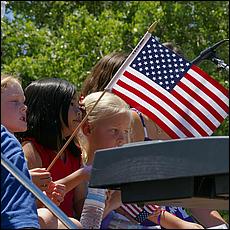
{"type": "Point", "coordinates": [142, 216]}
{"type": "Point", "coordinates": [160, 64]}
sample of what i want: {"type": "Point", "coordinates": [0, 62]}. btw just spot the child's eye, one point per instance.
{"type": "Point", "coordinates": [15, 101]}
{"type": "Point", "coordinates": [113, 131]}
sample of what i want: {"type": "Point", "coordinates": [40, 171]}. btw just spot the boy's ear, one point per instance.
{"type": "Point", "coordinates": [86, 128]}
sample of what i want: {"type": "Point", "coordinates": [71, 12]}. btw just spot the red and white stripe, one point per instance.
{"type": "Point", "coordinates": [134, 210]}
{"type": "Point", "coordinates": [195, 107]}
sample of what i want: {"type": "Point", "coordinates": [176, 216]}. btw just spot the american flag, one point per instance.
{"type": "Point", "coordinates": [138, 213]}
{"type": "Point", "coordinates": [180, 97]}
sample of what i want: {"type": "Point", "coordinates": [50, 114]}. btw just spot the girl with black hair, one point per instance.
{"type": "Point", "coordinates": [53, 113]}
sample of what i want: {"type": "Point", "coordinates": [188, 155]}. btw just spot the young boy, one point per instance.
{"type": "Point", "coordinates": [18, 207]}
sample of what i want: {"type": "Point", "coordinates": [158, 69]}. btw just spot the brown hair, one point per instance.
{"type": "Point", "coordinates": [174, 48]}
{"type": "Point", "coordinates": [103, 72]}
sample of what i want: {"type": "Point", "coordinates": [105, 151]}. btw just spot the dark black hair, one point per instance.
{"type": "Point", "coordinates": [48, 102]}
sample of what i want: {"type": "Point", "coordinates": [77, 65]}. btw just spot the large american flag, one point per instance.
{"type": "Point", "coordinates": [180, 97]}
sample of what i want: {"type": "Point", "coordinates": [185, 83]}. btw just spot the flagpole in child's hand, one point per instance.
{"type": "Point", "coordinates": [150, 30]}
{"type": "Point", "coordinates": [74, 133]}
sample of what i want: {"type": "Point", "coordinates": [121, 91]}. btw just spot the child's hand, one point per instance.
{"type": "Point", "coordinates": [56, 192]}
{"type": "Point", "coordinates": [40, 177]}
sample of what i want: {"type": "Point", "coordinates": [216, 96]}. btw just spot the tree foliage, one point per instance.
{"type": "Point", "coordinates": [66, 38]}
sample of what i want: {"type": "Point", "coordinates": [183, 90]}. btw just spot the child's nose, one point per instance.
{"type": "Point", "coordinates": [23, 108]}
{"type": "Point", "coordinates": [121, 140]}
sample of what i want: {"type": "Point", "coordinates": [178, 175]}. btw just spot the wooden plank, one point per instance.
{"type": "Point", "coordinates": [192, 172]}
{"type": "Point", "coordinates": [146, 161]}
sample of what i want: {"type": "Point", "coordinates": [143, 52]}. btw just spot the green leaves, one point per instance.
{"type": "Point", "coordinates": [66, 38]}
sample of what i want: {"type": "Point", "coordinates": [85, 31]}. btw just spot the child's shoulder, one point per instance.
{"type": "Point", "coordinates": [9, 143]}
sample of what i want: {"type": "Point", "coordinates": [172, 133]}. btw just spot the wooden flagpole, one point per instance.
{"type": "Point", "coordinates": [74, 132]}
{"type": "Point", "coordinates": [150, 30]}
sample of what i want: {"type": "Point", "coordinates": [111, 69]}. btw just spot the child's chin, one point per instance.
{"type": "Point", "coordinates": [22, 128]}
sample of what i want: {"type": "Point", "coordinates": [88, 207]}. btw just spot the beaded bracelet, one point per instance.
{"type": "Point", "coordinates": [159, 217]}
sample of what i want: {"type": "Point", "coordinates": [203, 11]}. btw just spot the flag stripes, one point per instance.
{"type": "Point", "coordinates": [199, 118]}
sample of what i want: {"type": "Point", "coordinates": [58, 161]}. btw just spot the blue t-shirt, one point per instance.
{"type": "Point", "coordinates": [18, 207]}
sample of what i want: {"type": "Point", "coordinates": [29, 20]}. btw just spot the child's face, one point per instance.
{"type": "Point", "coordinates": [74, 117]}
{"type": "Point", "coordinates": [111, 132]}
{"type": "Point", "coordinates": [13, 109]}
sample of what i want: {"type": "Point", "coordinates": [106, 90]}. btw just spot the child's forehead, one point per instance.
{"type": "Point", "coordinates": [13, 88]}
{"type": "Point", "coordinates": [117, 119]}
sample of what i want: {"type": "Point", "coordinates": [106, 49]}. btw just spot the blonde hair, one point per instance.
{"type": "Point", "coordinates": [108, 106]}
{"type": "Point", "coordinates": [7, 80]}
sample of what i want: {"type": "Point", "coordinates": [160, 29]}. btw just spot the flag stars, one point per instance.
{"type": "Point", "coordinates": [160, 64]}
